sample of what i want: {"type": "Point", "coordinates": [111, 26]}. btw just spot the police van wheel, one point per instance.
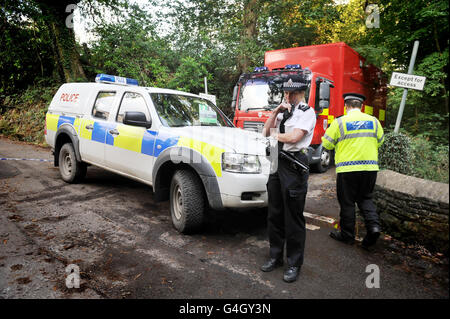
{"type": "Point", "coordinates": [187, 202]}
{"type": "Point", "coordinates": [325, 161]}
{"type": "Point", "coordinates": [71, 170]}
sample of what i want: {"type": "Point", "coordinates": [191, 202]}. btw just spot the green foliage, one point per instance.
{"type": "Point", "coordinates": [131, 49]}
{"type": "Point", "coordinates": [189, 76]}
{"type": "Point", "coordinates": [401, 23]}
{"type": "Point", "coordinates": [176, 44]}
{"type": "Point", "coordinates": [415, 156]}
{"type": "Point", "coordinates": [23, 114]}
{"type": "Point", "coordinates": [25, 47]}
{"type": "Point", "coordinates": [396, 153]}
{"type": "Point", "coordinates": [430, 161]}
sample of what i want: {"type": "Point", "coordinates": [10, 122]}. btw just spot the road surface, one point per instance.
{"type": "Point", "coordinates": [124, 245]}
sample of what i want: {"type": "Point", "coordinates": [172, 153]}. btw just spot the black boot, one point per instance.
{"type": "Point", "coordinates": [271, 264]}
{"type": "Point", "coordinates": [371, 238]}
{"type": "Point", "coordinates": [339, 237]}
{"type": "Point", "coordinates": [291, 274]}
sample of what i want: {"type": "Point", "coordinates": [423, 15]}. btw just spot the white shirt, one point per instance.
{"type": "Point", "coordinates": [304, 120]}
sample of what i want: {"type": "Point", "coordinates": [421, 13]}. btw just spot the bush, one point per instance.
{"type": "Point", "coordinates": [416, 156]}
{"type": "Point", "coordinates": [430, 161]}
{"type": "Point", "coordinates": [396, 153]}
{"type": "Point", "coordinates": [22, 115]}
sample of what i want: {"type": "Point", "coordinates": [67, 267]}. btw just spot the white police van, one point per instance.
{"type": "Point", "coordinates": [179, 143]}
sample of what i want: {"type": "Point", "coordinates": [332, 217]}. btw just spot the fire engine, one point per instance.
{"type": "Point", "coordinates": [330, 69]}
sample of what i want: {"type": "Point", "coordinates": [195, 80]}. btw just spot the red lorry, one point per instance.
{"type": "Point", "coordinates": [331, 69]}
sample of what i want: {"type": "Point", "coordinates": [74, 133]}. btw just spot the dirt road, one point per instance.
{"type": "Point", "coordinates": [125, 246]}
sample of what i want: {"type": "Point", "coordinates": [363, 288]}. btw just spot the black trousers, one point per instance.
{"type": "Point", "coordinates": [287, 190]}
{"type": "Point", "coordinates": [356, 187]}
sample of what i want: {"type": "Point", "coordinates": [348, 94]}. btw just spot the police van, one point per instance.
{"type": "Point", "coordinates": [179, 143]}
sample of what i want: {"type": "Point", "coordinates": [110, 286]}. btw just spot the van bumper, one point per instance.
{"type": "Point", "coordinates": [243, 190]}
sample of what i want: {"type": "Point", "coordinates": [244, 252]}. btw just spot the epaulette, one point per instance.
{"type": "Point", "coordinates": [304, 107]}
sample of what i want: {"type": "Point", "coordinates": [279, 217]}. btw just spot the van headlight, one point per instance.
{"type": "Point", "coordinates": [241, 163]}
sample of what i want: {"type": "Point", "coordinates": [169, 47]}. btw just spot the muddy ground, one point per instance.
{"type": "Point", "coordinates": [125, 246]}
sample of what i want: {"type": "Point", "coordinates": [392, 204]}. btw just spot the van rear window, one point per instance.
{"type": "Point", "coordinates": [103, 105]}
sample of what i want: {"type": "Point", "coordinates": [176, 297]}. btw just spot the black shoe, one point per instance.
{"type": "Point", "coordinates": [291, 274]}
{"type": "Point", "coordinates": [271, 264]}
{"type": "Point", "coordinates": [371, 238]}
{"type": "Point", "coordinates": [339, 237]}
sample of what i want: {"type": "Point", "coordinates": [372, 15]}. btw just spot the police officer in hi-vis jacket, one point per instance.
{"type": "Point", "coordinates": [356, 138]}
{"type": "Point", "coordinates": [292, 124]}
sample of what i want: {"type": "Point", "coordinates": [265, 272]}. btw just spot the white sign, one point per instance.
{"type": "Point", "coordinates": [408, 81]}
{"type": "Point", "coordinates": [206, 114]}
{"type": "Point", "coordinates": [209, 97]}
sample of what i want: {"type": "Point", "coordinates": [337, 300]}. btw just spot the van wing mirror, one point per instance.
{"type": "Point", "coordinates": [136, 119]}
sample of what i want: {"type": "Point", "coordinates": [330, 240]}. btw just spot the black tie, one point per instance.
{"type": "Point", "coordinates": [286, 116]}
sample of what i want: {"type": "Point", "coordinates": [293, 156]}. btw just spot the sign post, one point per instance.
{"type": "Point", "coordinates": [210, 97]}
{"type": "Point", "coordinates": [405, 91]}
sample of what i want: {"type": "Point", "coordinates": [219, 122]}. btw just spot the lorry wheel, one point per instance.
{"type": "Point", "coordinates": [71, 170]}
{"type": "Point", "coordinates": [325, 161]}
{"type": "Point", "coordinates": [187, 202]}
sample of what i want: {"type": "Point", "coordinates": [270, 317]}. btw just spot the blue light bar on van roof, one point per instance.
{"type": "Point", "coordinates": [293, 66]}
{"type": "Point", "coordinates": [106, 78]}
{"type": "Point", "coordinates": [261, 69]}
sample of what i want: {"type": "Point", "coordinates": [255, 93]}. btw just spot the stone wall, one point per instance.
{"type": "Point", "coordinates": [414, 210]}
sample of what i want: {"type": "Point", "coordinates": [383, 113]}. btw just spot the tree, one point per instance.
{"type": "Point", "coordinates": [63, 39]}
{"type": "Point", "coordinates": [25, 47]}
{"type": "Point", "coordinates": [131, 48]}
{"type": "Point", "coordinates": [53, 17]}
{"type": "Point", "coordinates": [426, 112]}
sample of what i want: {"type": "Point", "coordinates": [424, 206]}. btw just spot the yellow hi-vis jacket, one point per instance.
{"type": "Point", "coordinates": [356, 138]}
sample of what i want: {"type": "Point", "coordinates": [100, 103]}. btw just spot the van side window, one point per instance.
{"type": "Point", "coordinates": [132, 102]}
{"type": "Point", "coordinates": [103, 105]}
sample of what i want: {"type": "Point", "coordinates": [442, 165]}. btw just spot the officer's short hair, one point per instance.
{"type": "Point", "coordinates": [353, 99]}
{"type": "Point", "coordinates": [353, 103]}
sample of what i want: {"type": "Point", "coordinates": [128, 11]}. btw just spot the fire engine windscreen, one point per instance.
{"type": "Point", "coordinates": [262, 94]}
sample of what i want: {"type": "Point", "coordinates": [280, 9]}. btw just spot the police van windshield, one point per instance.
{"type": "Point", "coordinates": [256, 94]}
{"type": "Point", "coordinates": [180, 110]}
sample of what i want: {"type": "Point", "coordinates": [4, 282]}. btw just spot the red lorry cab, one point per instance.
{"type": "Point", "coordinates": [336, 65]}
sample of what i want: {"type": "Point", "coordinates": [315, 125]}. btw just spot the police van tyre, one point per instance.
{"type": "Point", "coordinates": [324, 162]}
{"type": "Point", "coordinates": [187, 201]}
{"type": "Point", "coordinates": [71, 170]}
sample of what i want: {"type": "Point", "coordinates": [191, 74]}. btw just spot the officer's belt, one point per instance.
{"type": "Point", "coordinates": [302, 150]}
{"type": "Point", "coordinates": [293, 161]}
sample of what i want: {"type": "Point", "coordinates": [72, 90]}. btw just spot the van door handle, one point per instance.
{"type": "Point", "coordinates": [89, 127]}
{"type": "Point", "coordinates": [114, 132]}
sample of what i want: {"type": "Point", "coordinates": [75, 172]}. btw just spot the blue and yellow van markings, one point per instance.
{"type": "Point", "coordinates": [84, 132]}
{"type": "Point", "coordinates": [148, 142]}
{"type": "Point", "coordinates": [52, 122]}
{"type": "Point", "coordinates": [212, 153]}
{"type": "Point", "coordinates": [163, 141]}
{"type": "Point", "coordinates": [99, 131]}
{"type": "Point", "coordinates": [129, 137]}
{"type": "Point", "coordinates": [65, 119]}
{"type": "Point", "coordinates": [137, 139]}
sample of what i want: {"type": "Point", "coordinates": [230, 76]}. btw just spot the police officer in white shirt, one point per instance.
{"type": "Point", "coordinates": [292, 124]}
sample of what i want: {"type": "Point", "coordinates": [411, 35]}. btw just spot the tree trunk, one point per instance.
{"type": "Point", "coordinates": [64, 45]}
{"type": "Point", "coordinates": [250, 31]}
